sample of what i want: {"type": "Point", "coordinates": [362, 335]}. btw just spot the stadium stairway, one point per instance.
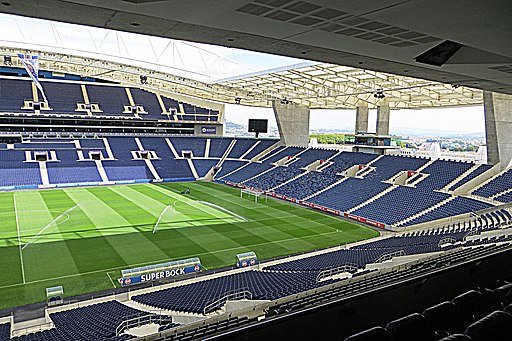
{"type": "Point", "coordinates": [44, 174]}
{"type": "Point", "coordinates": [207, 148]}
{"type": "Point", "coordinates": [493, 178]}
{"type": "Point", "coordinates": [250, 149]}
{"type": "Point", "coordinates": [171, 147]}
{"type": "Point", "coordinates": [367, 202]}
{"type": "Point", "coordinates": [235, 170]}
{"type": "Point", "coordinates": [425, 166]}
{"type": "Point", "coordinates": [226, 153]}
{"type": "Point", "coordinates": [148, 162]}
{"type": "Point", "coordinates": [294, 159]}
{"type": "Point", "coordinates": [495, 196]}
{"type": "Point", "coordinates": [193, 168]}
{"type": "Point", "coordinates": [252, 177]}
{"type": "Point", "coordinates": [264, 153]}
{"type": "Point", "coordinates": [110, 154]}
{"type": "Point", "coordinates": [288, 181]}
{"type": "Point", "coordinates": [422, 213]}
{"type": "Point", "coordinates": [101, 170]}
{"type": "Point", "coordinates": [326, 188]}
{"type": "Point", "coordinates": [460, 178]}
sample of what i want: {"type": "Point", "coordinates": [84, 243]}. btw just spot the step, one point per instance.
{"type": "Point", "coordinates": [249, 150]}
{"type": "Point", "coordinates": [266, 151]}
{"type": "Point", "coordinates": [264, 172]}
{"type": "Point", "coordinates": [422, 213]}
{"type": "Point", "coordinates": [192, 168]}
{"type": "Point", "coordinates": [381, 194]}
{"type": "Point", "coordinates": [207, 148]}
{"type": "Point", "coordinates": [461, 177]}
{"type": "Point", "coordinates": [288, 181]}
{"type": "Point", "coordinates": [235, 170]}
{"type": "Point", "coordinates": [326, 188]}
{"type": "Point", "coordinates": [228, 150]}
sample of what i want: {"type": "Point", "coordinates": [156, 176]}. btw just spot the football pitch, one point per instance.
{"type": "Point", "coordinates": [81, 238]}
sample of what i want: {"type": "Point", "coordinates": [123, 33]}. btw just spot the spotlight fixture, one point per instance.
{"type": "Point", "coordinates": [237, 100]}
{"type": "Point", "coordinates": [379, 94]}
{"type": "Point", "coordinates": [143, 79]}
{"type": "Point", "coordinates": [8, 60]}
{"type": "Point", "coordinates": [285, 101]}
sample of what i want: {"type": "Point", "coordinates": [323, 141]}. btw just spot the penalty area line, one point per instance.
{"type": "Point", "coordinates": [111, 281]}
{"type": "Point", "coordinates": [19, 238]}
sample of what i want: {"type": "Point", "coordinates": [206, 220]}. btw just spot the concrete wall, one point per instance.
{"type": "Point", "coordinates": [498, 128]}
{"type": "Point", "coordinates": [292, 122]}
{"type": "Point", "coordinates": [383, 114]}
{"type": "Point", "coordinates": [362, 118]}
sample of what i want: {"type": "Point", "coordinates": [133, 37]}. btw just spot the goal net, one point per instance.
{"type": "Point", "coordinates": [252, 193]}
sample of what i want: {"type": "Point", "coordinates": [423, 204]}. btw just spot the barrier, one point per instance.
{"type": "Point", "coordinates": [159, 271]}
{"type": "Point", "coordinates": [240, 294]}
{"type": "Point", "coordinates": [364, 220]}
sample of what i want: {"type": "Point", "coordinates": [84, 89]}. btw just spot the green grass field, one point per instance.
{"type": "Point", "coordinates": [81, 237]}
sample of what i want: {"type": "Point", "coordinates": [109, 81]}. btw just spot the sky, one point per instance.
{"type": "Point", "coordinates": [468, 119]}
{"type": "Point", "coordinates": [209, 63]}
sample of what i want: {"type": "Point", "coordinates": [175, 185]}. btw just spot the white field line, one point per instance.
{"type": "Point", "coordinates": [111, 281]}
{"type": "Point", "coordinates": [225, 210]}
{"type": "Point", "coordinates": [19, 238]}
{"type": "Point", "coordinates": [167, 259]}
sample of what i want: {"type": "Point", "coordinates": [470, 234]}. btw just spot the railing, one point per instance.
{"type": "Point", "coordinates": [240, 294]}
{"type": "Point", "coordinates": [349, 267]}
{"type": "Point", "coordinates": [32, 329]}
{"type": "Point", "coordinates": [446, 240]}
{"type": "Point", "coordinates": [390, 255]}
{"type": "Point", "coordinates": [140, 320]}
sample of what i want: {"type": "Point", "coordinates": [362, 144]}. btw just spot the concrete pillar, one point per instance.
{"type": "Point", "coordinates": [292, 122]}
{"type": "Point", "coordinates": [383, 114]}
{"type": "Point", "coordinates": [362, 118]}
{"type": "Point", "coordinates": [498, 128]}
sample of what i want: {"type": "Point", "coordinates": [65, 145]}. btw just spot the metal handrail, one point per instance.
{"type": "Point", "coordinates": [349, 267]}
{"type": "Point", "coordinates": [446, 240]}
{"type": "Point", "coordinates": [140, 320]}
{"type": "Point", "coordinates": [239, 294]}
{"type": "Point", "coordinates": [389, 255]}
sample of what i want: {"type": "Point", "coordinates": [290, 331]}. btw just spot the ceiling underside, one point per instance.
{"type": "Point", "coordinates": [331, 86]}
{"type": "Point", "coordinates": [383, 35]}
{"type": "Point", "coordinates": [316, 85]}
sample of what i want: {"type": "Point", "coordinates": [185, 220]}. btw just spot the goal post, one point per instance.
{"type": "Point", "coordinates": [253, 192]}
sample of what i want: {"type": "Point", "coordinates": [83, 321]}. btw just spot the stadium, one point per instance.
{"type": "Point", "coordinates": [129, 211]}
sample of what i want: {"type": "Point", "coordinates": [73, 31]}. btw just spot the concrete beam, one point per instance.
{"type": "Point", "coordinates": [383, 114]}
{"type": "Point", "coordinates": [292, 122]}
{"type": "Point", "coordinates": [362, 118]}
{"type": "Point", "coordinates": [498, 128]}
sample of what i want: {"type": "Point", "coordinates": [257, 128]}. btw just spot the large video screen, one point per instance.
{"type": "Point", "coordinates": [258, 126]}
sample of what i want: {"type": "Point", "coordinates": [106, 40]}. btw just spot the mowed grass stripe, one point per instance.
{"type": "Point", "coordinates": [11, 269]}
{"type": "Point", "coordinates": [277, 227]}
{"type": "Point", "coordinates": [88, 248]}
{"type": "Point", "coordinates": [34, 215]}
{"type": "Point", "coordinates": [123, 222]}
{"type": "Point", "coordinates": [302, 226]}
{"type": "Point", "coordinates": [133, 247]}
{"type": "Point", "coordinates": [242, 233]}
{"type": "Point", "coordinates": [203, 238]}
{"type": "Point", "coordinates": [194, 208]}
{"type": "Point", "coordinates": [8, 229]}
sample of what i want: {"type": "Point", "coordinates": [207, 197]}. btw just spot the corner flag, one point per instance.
{"type": "Point", "coordinates": [31, 64]}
